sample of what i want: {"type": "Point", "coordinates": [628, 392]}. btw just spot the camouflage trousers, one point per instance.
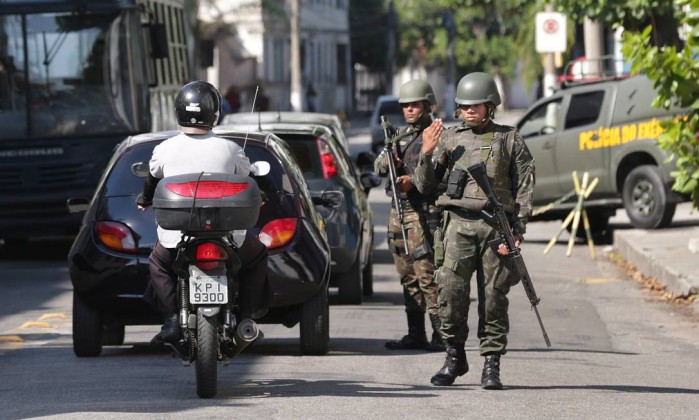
{"type": "Point", "coordinates": [466, 251]}
{"type": "Point", "coordinates": [416, 274]}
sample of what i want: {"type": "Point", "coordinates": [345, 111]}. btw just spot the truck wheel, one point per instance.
{"type": "Point", "coordinates": [599, 228]}
{"type": "Point", "coordinates": [87, 329]}
{"type": "Point", "coordinates": [646, 199]}
{"type": "Point", "coordinates": [315, 325]}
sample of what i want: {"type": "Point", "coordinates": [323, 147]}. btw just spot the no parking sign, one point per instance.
{"type": "Point", "coordinates": [551, 32]}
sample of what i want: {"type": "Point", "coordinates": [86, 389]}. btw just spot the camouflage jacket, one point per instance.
{"type": "Point", "coordinates": [509, 164]}
{"type": "Point", "coordinates": [407, 149]}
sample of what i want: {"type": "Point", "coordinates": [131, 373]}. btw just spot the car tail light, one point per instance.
{"type": "Point", "coordinates": [327, 160]}
{"type": "Point", "coordinates": [210, 256]}
{"type": "Point", "coordinates": [207, 189]}
{"type": "Point", "coordinates": [278, 232]}
{"type": "Point", "coordinates": [116, 236]}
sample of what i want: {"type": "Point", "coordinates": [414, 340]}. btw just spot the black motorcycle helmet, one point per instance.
{"type": "Point", "coordinates": [198, 104]}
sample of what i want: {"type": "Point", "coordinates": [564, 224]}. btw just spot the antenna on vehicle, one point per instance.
{"type": "Point", "coordinates": [254, 99]}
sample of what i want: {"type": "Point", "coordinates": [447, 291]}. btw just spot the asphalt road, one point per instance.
{"type": "Point", "coordinates": [616, 353]}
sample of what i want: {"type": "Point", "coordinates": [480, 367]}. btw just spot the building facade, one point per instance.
{"type": "Point", "coordinates": [251, 50]}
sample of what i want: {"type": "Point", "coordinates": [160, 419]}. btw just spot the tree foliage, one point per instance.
{"type": "Point", "coordinates": [653, 44]}
{"type": "Point", "coordinates": [485, 32]}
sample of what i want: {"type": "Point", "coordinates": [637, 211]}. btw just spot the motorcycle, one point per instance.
{"type": "Point", "coordinates": [210, 209]}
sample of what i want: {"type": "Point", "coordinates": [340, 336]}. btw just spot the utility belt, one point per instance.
{"type": "Point", "coordinates": [464, 213]}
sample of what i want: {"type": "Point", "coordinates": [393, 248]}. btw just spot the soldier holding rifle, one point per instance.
{"type": "Point", "coordinates": [413, 218]}
{"type": "Point", "coordinates": [466, 232]}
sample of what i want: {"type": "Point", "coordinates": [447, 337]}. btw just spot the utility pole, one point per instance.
{"type": "Point", "coordinates": [594, 48]}
{"type": "Point", "coordinates": [295, 94]}
{"type": "Point", "coordinates": [391, 50]}
{"type": "Point", "coordinates": [449, 91]}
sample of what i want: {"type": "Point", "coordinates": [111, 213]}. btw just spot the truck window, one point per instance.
{"type": "Point", "coordinates": [543, 120]}
{"type": "Point", "coordinates": [584, 109]}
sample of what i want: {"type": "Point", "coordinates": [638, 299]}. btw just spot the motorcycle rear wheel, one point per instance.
{"type": "Point", "coordinates": [207, 356]}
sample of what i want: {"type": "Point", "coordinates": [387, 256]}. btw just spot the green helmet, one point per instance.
{"type": "Point", "coordinates": [416, 90]}
{"type": "Point", "coordinates": [477, 88]}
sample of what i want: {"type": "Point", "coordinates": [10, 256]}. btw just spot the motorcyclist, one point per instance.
{"type": "Point", "coordinates": [197, 149]}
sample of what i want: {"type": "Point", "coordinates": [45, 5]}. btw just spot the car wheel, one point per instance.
{"type": "Point", "coordinates": [368, 277]}
{"type": "Point", "coordinates": [315, 325]}
{"type": "Point", "coordinates": [350, 284]}
{"type": "Point", "coordinates": [113, 335]}
{"type": "Point", "coordinates": [87, 329]}
{"type": "Point", "coordinates": [645, 198]}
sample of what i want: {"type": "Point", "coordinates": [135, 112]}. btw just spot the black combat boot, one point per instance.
{"type": "Point", "coordinates": [170, 332]}
{"type": "Point", "coordinates": [490, 379]}
{"type": "Point", "coordinates": [437, 344]}
{"type": "Point", "coordinates": [454, 365]}
{"type": "Point", "coordinates": [416, 338]}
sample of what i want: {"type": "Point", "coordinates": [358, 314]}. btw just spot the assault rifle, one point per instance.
{"type": "Point", "coordinates": [388, 133]}
{"type": "Point", "coordinates": [499, 218]}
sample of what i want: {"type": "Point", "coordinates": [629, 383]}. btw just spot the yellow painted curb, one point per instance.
{"type": "Point", "coordinates": [11, 339]}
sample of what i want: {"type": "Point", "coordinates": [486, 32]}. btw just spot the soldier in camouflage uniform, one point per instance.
{"type": "Point", "coordinates": [464, 246]}
{"type": "Point", "coordinates": [420, 218]}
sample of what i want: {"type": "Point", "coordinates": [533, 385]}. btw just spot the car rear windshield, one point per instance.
{"type": "Point", "coordinates": [122, 181]}
{"type": "Point", "coordinates": [305, 150]}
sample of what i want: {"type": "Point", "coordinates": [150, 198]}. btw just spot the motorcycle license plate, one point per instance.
{"type": "Point", "coordinates": [205, 289]}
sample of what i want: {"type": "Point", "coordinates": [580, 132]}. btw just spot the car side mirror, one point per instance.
{"type": "Point", "coordinates": [260, 168]}
{"type": "Point", "coordinates": [140, 169]}
{"type": "Point", "coordinates": [369, 180]}
{"type": "Point", "coordinates": [329, 199]}
{"type": "Point", "coordinates": [365, 161]}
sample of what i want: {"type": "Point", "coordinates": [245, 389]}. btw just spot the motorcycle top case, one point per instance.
{"type": "Point", "coordinates": [207, 202]}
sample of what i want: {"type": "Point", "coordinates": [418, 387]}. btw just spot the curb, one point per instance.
{"type": "Point", "coordinates": [666, 255]}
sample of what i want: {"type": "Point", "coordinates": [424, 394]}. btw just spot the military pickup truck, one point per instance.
{"type": "Point", "coordinates": [608, 129]}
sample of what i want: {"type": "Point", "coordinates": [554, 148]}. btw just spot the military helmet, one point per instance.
{"type": "Point", "coordinates": [416, 90]}
{"type": "Point", "coordinates": [198, 104]}
{"type": "Point", "coordinates": [477, 88]}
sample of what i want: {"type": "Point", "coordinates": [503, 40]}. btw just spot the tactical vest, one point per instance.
{"type": "Point", "coordinates": [408, 150]}
{"type": "Point", "coordinates": [494, 148]}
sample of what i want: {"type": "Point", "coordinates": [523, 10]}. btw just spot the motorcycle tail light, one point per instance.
{"type": "Point", "coordinates": [210, 256]}
{"type": "Point", "coordinates": [327, 160]}
{"type": "Point", "coordinates": [115, 235]}
{"type": "Point", "coordinates": [278, 232]}
{"type": "Point", "coordinates": [207, 189]}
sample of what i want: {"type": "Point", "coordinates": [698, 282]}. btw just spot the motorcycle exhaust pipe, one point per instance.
{"type": "Point", "coordinates": [244, 335]}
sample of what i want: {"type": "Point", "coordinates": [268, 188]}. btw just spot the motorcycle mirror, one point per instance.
{"type": "Point", "coordinates": [140, 169]}
{"type": "Point", "coordinates": [260, 168]}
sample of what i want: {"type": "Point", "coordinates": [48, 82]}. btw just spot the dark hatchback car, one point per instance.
{"type": "Point", "coordinates": [350, 229]}
{"type": "Point", "coordinates": [108, 260]}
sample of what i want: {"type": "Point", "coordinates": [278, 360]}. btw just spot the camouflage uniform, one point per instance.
{"type": "Point", "coordinates": [464, 247]}
{"type": "Point", "coordinates": [416, 270]}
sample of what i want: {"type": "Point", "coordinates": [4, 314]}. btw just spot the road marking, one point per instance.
{"type": "Point", "coordinates": [36, 324]}
{"type": "Point", "coordinates": [594, 281]}
{"type": "Point", "coordinates": [53, 315]}
{"type": "Point", "coordinates": [11, 339]}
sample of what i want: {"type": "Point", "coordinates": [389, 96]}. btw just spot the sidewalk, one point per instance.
{"type": "Point", "coordinates": [670, 255]}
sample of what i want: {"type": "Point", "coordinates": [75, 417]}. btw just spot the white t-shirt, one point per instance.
{"type": "Point", "coordinates": [195, 153]}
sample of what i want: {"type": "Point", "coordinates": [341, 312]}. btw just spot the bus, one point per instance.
{"type": "Point", "coordinates": [76, 78]}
